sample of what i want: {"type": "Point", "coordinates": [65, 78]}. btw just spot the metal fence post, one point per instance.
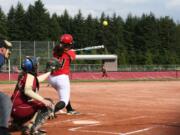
{"type": "Point", "coordinates": [9, 69]}
{"type": "Point", "coordinates": [34, 49]}
{"type": "Point", "coordinates": [20, 54]}
{"type": "Point", "coordinates": [48, 51]}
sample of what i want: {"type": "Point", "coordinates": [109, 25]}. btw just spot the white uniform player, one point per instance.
{"type": "Point", "coordinates": [59, 79]}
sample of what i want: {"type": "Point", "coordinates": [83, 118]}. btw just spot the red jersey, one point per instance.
{"type": "Point", "coordinates": [18, 97]}
{"type": "Point", "coordinates": [65, 61]}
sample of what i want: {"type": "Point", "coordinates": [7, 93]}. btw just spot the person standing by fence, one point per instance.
{"type": "Point", "coordinates": [104, 72]}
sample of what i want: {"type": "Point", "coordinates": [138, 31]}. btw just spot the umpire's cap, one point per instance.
{"type": "Point", "coordinates": [5, 44]}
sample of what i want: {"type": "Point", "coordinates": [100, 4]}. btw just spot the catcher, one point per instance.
{"type": "Point", "coordinates": [5, 102]}
{"type": "Point", "coordinates": [59, 79]}
{"type": "Point", "coordinates": [27, 103]}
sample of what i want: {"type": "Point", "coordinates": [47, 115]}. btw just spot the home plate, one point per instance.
{"type": "Point", "coordinates": [85, 122]}
{"type": "Point", "coordinates": [61, 112]}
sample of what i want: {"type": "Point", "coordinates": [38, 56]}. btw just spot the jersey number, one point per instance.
{"type": "Point", "coordinates": [62, 63]}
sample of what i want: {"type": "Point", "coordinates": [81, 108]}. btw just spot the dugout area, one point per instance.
{"type": "Point", "coordinates": [110, 62]}
{"type": "Point", "coordinates": [117, 108]}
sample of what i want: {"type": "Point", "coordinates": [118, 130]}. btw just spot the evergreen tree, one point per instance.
{"type": "Point", "coordinates": [78, 30]}
{"type": "Point", "coordinates": [146, 37]}
{"type": "Point", "coordinates": [128, 37]}
{"type": "Point", "coordinates": [90, 31]}
{"type": "Point", "coordinates": [65, 22]}
{"type": "Point", "coordinates": [143, 40]}
{"type": "Point", "coordinates": [101, 31]}
{"type": "Point", "coordinates": [149, 58]}
{"type": "Point", "coordinates": [37, 19]}
{"type": "Point", "coordinates": [19, 23]}
{"type": "Point", "coordinates": [29, 21]}
{"type": "Point", "coordinates": [116, 38]}
{"type": "Point", "coordinates": [11, 23]}
{"type": "Point", "coordinates": [167, 30]}
{"type": "Point", "coordinates": [54, 28]}
{"type": "Point", "coordinates": [3, 24]}
{"type": "Point", "coordinates": [177, 44]}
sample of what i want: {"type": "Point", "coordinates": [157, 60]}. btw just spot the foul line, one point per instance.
{"type": "Point", "coordinates": [114, 133]}
{"type": "Point", "coordinates": [133, 118]}
{"type": "Point", "coordinates": [79, 129]}
{"type": "Point", "coordinates": [138, 131]}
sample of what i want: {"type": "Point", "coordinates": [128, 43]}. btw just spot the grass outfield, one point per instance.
{"type": "Point", "coordinates": [8, 82]}
{"type": "Point", "coordinates": [105, 80]}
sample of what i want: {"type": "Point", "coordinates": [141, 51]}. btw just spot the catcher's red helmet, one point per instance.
{"type": "Point", "coordinates": [66, 39]}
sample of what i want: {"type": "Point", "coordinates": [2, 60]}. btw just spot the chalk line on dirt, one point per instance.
{"type": "Point", "coordinates": [91, 123]}
{"type": "Point", "coordinates": [79, 129]}
{"type": "Point", "coordinates": [138, 131]}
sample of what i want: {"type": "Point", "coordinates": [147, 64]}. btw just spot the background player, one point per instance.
{"type": "Point", "coordinates": [5, 102]}
{"type": "Point", "coordinates": [27, 103]}
{"type": "Point", "coordinates": [60, 79]}
{"type": "Point", "coordinates": [104, 72]}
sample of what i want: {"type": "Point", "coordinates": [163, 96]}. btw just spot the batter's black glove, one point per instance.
{"type": "Point", "coordinates": [53, 65]}
{"type": "Point", "coordinates": [58, 50]}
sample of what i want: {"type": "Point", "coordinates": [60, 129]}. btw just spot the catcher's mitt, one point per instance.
{"type": "Point", "coordinates": [52, 65]}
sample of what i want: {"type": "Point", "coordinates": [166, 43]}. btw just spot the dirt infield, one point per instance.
{"type": "Point", "coordinates": [118, 108]}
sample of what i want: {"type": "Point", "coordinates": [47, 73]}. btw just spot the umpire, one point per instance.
{"type": "Point", "coordinates": [5, 102]}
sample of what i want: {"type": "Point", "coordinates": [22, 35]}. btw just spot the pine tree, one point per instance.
{"type": "Point", "coordinates": [11, 23]}
{"type": "Point", "coordinates": [90, 31]}
{"type": "Point", "coordinates": [146, 37]}
{"type": "Point", "coordinates": [19, 23]}
{"type": "Point", "coordinates": [167, 34]}
{"type": "Point", "coordinates": [116, 38]}
{"type": "Point", "coordinates": [65, 22]}
{"type": "Point", "coordinates": [128, 37]}
{"type": "Point", "coordinates": [3, 24]}
{"type": "Point", "coordinates": [54, 28]}
{"type": "Point", "coordinates": [177, 46]}
{"type": "Point", "coordinates": [36, 20]}
{"type": "Point", "coordinates": [149, 58]}
{"type": "Point", "coordinates": [78, 30]}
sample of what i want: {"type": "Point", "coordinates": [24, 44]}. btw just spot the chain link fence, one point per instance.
{"type": "Point", "coordinates": [43, 51]}
{"type": "Point", "coordinates": [40, 49]}
{"type": "Point", "coordinates": [147, 68]}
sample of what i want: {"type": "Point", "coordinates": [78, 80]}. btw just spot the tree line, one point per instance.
{"type": "Point", "coordinates": [136, 40]}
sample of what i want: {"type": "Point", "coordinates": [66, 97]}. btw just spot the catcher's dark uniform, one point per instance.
{"type": "Point", "coordinates": [24, 106]}
{"type": "Point", "coordinates": [27, 103]}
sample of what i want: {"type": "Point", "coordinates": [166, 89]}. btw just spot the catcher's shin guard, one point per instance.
{"type": "Point", "coordinates": [27, 131]}
{"type": "Point", "coordinates": [60, 105]}
{"type": "Point", "coordinates": [42, 115]}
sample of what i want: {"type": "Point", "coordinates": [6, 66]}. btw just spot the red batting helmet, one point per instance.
{"type": "Point", "coordinates": [66, 39]}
